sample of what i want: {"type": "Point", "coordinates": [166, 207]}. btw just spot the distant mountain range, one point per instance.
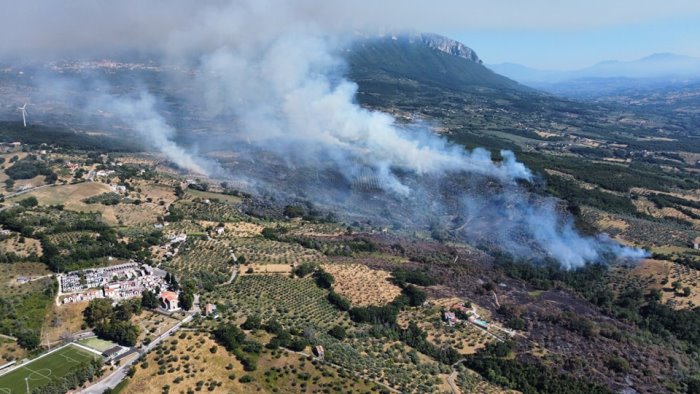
{"type": "Point", "coordinates": [608, 77]}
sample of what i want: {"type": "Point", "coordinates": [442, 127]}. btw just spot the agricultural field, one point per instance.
{"type": "Point", "coordinates": [215, 210]}
{"type": "Point", "coordinates": [193, 361]}
{"type": "Point", "coordinates": [152, 324]}
{"type": "Point", "coordinates": [471, 382]}
{"type": "Point", "coordinates": [463, 337]}
{"type": "Point", "coordinates": [49, 369]}
{"type": "Point", "coordinates": [362, 285]}
{"type": "Point", "coordinates": [391, 363]}
{"type": "Point", "coordinates": [236, 229]}
{"type": "Point", "coordinates": [203, 257]}
{"type": "Point", "coordinates": [264, 251]}
{"type": "Point", "coordinates": [294, 302]}
{"type": "Point", "coordinates": [70, 196]}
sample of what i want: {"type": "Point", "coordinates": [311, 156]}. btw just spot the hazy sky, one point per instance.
{"type": "Point", "coordinates": [556, 34]}
{"type": "Point", "coordinates": [561, 48]}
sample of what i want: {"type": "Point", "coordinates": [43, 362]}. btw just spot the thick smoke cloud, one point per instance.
{"type": "Point", "coordinates": [272, 73]}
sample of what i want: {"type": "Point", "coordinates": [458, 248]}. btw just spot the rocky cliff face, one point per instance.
{"type": "Point", "coordinates": [450, 46]}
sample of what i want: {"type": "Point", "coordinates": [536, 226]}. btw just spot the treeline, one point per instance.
{"type": "Point", "coordinates": [494, 364]}
{"type": "Point", "coordinates": [234, 340]}
{"type": "Point", "coordinates": [30, 167]}
{"type": "Point", "coordinates": [329, 247]}
{"type": "Point", "coordinates": [36, 134]}
{"type": "Point", "coordinates": [114, 323]}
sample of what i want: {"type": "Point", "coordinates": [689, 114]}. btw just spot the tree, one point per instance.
{"type": "Point", "coordinates": [324, 279]}
{"type": "Point", "coordinates": [304, 269]}
{"type": "Point", "coordinates": [29, 202]}
{"type": "Point", "coordinates": [252, 323]}
{"type": "Point", "coordinates": [293, 211]}
{"type": "Point", "coordinates": [676, 285]}
{"type": "Point", "coordinates": [416, 296]}
{"type": "Point", "coordinates": [98, 312]}
{"type": "Point", "coordinates": [149, 299]}
{"type": "Point", "coordinates": [338, 301]}
{"type": "Point", "coordinates": [28, 339]}
{"type": "Point", "coordinates": [686, 291]}
{"type": "Point", "coordinates": [337, 332]}
{"type": "Point", "coordinates": [186, 300]}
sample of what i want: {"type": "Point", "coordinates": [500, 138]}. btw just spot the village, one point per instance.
{"type": "Point", "coordinates": [117, 282]}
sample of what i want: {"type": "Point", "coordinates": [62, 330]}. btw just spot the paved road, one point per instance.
{"type": "Point", "coordinates": [8, 196]}
{"type": "Point", "coordinates": [29, 190]}
{"type": "Point", "coordinates": [119, 374]}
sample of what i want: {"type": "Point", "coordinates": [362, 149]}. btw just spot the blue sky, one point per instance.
{"type": "Point", "coordinates": [563, 48]}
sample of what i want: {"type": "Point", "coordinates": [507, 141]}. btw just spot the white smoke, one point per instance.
{"type": "Point", "coordinates": [140, 114]}
{"type": "Point", "coordinates": [274, 70]}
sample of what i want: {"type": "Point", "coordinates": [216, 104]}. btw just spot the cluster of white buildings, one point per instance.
{"type": "Point", "coordinates": [116, 282]}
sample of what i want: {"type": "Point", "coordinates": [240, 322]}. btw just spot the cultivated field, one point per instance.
{"type": "Point", "coordinates": [153, 324]}
{"type": "Point", "coordinates": [70, 196]}
{"type": "Point", "coordinates": [187, 364]}
{"type": "Point", "coordinates": [44, 370]}
{"type": "Point", "coordinates": [362, 285]}
{"type": "Point", "coordinates": [21, 246]}
{"type": "Point", "coordinates": [294, 302]}
{"type": "Point", "coordinates": [264, 251]}
{"type": "Point", "coordinates": [463, 337]}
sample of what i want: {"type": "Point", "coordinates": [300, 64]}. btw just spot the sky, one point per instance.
{"type": "Point", "coordinates": [562, 48]}
{"type": "Point", "coordinates": [546, 34]}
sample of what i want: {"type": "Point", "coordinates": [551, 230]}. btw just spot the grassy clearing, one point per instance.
{"type": "Point", "coordinates": [10, 351]}
{"type": "Point", "coordinates": [70, 196]}
{"type": "Point", "coordinates": [64, 320]}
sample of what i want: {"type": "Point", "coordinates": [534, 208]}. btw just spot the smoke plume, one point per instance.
{"type": "Point", "coordinates": [270, 75]}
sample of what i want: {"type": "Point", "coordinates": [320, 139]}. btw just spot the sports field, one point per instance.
{"type": "Point", "coordinates": [44, 370]}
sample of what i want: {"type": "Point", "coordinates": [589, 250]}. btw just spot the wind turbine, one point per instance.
{"type": "Point", "coordinates": [24, 114]}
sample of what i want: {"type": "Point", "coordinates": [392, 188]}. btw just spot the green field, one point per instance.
{"type": "Point", "coordinates": [45, 370]}
{"type": "Point", "coordinates": [98, 344]}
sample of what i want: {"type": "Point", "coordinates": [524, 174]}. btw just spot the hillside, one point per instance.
{"type": "Point", "coordinates": [424, 60]}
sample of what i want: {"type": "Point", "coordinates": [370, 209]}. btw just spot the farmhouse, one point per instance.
{"type": "Point", "coordinates": [320, 352]}
{"type": "Point", "coordinates": [210, 310]}
{"type": "Point", "coordinates": [450, 318]}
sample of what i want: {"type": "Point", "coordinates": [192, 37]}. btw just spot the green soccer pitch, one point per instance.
{"type": "Point", "coordinates": [44, 369]}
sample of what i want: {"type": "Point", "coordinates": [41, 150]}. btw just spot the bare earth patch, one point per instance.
{"type": "Point", "coordinates": [362, 285]}
{"type": "Point", "coordinates": [64, 320]}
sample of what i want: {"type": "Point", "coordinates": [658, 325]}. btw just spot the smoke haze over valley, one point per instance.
{"type": "Point", "coordinates": [271, 77]}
